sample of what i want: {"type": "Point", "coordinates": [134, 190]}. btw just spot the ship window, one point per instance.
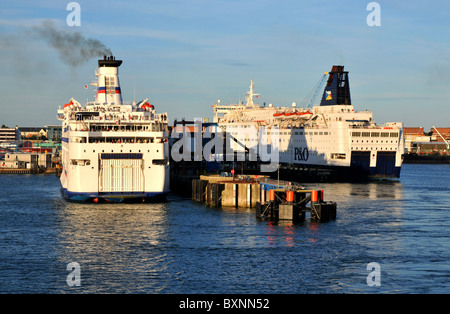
{"type": "Point", "coordinates": [365, 134]}
{"type": "Point", "coordinates": [394, 134]}
{"type": "Point", "coordinates": [356, 133]}
{"type": "Point", "coordinates": [384, 134]}
{"type": "Point", "coordinates": [375, 134]}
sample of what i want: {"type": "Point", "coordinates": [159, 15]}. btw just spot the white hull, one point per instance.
{"type": "Point", "coordinates": [112, 151]}
{"type": "Point", "coordinates": [330, 136]}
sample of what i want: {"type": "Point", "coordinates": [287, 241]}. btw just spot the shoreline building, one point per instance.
{"type": "Point", "coordinates": [9, 134]}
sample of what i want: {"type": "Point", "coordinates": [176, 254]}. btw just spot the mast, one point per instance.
{"type": "Point", "coordinates": [250, 94]}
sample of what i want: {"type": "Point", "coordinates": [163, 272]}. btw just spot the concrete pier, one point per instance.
{"type": "Point", "coordinates": [217, 191]}
{"type": "Point", "coordinates": [272, 199]}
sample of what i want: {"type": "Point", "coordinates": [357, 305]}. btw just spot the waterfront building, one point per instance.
{"type": "Point", "coordinates": [9, 134]}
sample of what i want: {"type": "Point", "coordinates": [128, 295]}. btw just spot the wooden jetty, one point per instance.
{"type": "Point", "coordinates": [18, 171]}
{"type": "Point", "coordinates": [28, 171]}
{"type": "Point", "coordinates": [272, 199]}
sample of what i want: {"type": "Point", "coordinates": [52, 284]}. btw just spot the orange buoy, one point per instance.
{"type": "Point", "coordinates": [290, 196]}
{"type": "Point", "coordinates": [314, 196]}
{"type": "Point", "coordinates": [271, 195]}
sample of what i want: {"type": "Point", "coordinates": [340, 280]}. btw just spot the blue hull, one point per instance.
{"type": "Point", "coordinates": [117, 197]}
{"type": "Point", "coordinates": [359, 170]}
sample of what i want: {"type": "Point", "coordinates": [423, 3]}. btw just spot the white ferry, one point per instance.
{"type": "Point", "coordinates": [332, 136]}
{"type": "Point", "coordinates": [112, 151]}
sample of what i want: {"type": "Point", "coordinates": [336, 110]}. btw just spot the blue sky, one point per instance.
{"type": "Point", "coordinates": [184, 55]}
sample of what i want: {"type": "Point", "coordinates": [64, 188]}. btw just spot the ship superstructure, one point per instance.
{"type": "Point", "coordinates": [111, 150]}
{"type": "Point", "coordinates": [332, 135]}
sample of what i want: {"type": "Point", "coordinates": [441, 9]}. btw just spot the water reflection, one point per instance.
{"type": "Point", "coordinates": [372, 207]}
{"type": "Point", "coordinates": [372, 190]}
{"type": "Point", "coordinates": [115, 244]}
{"type": "Point", "coordinates": [185, 247]}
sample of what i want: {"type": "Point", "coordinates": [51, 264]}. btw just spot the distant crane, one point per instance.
{"type": "Point", "coordinates": [446, 143]}
{"type": "Point", "coordinates": [311, 97]}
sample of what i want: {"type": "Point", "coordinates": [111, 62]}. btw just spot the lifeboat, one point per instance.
{"type": "Point", "coordinates": [68, 105]}
{"type": "Point", "coordinates": [305, 114]}
{"type": "Point", "coordinates": [148, 106]}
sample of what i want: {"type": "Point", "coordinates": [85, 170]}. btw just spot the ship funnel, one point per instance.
{"type": "Point", "coordinates": [337, 89]}
{"type": "Point", "coordinates": [108, 91]}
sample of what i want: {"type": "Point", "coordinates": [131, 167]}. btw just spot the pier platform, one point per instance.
{"type": "Point", "coordinates": [17, 171]}
{"type": "Point", "coordinates": [271, 199]}
{"type": "Point", "coordinates": [28, 171]}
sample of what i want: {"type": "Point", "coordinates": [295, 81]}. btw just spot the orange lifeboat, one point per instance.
{"type": "Point", "coordinates": [148, 106]}
{"type": "Point", "coordinates": [305, 114]}
{"type": "Point", "coordinates": [68, 105]}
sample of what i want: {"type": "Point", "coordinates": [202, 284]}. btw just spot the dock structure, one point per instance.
{"type": "Point", "coordinates": [18, 171]}
{"type": "Point", "coordinates": [272, 199]}
{"type": "Point", "coordinates": [29, 171]}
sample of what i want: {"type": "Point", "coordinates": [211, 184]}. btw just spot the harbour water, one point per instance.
{"type": "Point", "coordinates": [182, 247]}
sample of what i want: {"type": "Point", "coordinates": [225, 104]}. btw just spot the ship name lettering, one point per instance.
{"type": "Point", "coordinates": [301, 154]}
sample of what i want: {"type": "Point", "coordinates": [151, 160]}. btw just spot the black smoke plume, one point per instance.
{"type": "Point", "coordinates": [73, 48]}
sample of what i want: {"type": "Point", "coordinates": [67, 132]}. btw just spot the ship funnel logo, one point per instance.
{"type": "Point", "coordinates": [329, 97]}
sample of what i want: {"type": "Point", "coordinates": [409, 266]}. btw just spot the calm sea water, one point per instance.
{"type": "Point", "coordinates": [183, 247]}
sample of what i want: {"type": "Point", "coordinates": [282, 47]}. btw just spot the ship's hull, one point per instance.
{"type": "Point", "coordinates": [313, 173]}
{"type": "Point", "coordinates": [357, 166]}
{"type": "Point", "coordinates": [116, 197]}
{"type": "Point", "coordinates": [139, 176]}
